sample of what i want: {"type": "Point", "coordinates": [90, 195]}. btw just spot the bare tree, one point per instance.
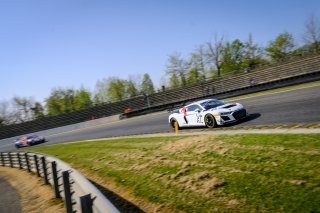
{"type": "Point", "coordinates": [4, 113]}
{"type": "Point", "coordinates": [19, 110]}
{"type": "Point", "coordinates": [198, 61]}
{"type": "Point", "coordinates": [177, 68]}
{"type": "Point", "coordinates": [215, 53]}
{"type": "Point", "coordinates": [23, 109]}
{"type": "Point", "coordinates": [101, 91]}
{"type": "Point", "coordinates": [311, 36]}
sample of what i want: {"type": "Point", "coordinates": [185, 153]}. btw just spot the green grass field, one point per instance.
{"type": "Point", "coordinates": [222, 173]}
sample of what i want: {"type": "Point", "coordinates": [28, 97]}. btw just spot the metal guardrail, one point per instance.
{"type": "Point", "coordinates": [217, 87]}
{"type": "Point", "coordinates": [78, 193]}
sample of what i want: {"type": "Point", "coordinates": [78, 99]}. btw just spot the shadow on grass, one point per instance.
{"type": "Point", "coordinates": [119, 202]}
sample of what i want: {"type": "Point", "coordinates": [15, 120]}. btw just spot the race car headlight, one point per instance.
{"type": "Point", "coordinates": [225, 113]}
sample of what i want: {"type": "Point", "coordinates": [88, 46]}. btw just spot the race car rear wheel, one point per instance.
{"type": "Point", "coordinates": [210, 121]}
{"type": "Point", "coordinates": [173, 123]}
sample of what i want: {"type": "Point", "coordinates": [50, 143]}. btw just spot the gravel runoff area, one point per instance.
{"type": "Point", "coordinates": [21, 191]}
{"type": "Point", "coordinates": [10, 201]}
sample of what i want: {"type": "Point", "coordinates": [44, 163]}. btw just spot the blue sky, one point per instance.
{"type": "Point", "coordinates": [69, 43]}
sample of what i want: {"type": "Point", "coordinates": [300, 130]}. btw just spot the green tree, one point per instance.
{"type": "Point", "coordinates": [37, 110]}
{"type": "Point", "coordinates": [69, 100]}
{"type": "Point", "coordinates": [280, 49]}
{"type": "Point", "coordinates": [131, 89]}
{"type": "Point", "coordinates": [253, 56]}
{"type": "Point", "coordinates": [55, 102]}
{"type": "Point", "coordinates": [174, 81]}
{"type": "Point", "coordinates": [61, 101]}
{"type": "Point", "coordinates": [233, 57]}
{"type": "Point", "coordinates": [194, 76]}
{"type": "Point", "coordinates": [116, 89]}
{"type": "Point", "coordinates": [82, 99]}
{"type": "Point", "coordinates": [147, 85]}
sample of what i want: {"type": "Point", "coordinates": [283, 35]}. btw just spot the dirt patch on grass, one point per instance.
{"type": "Point", "coordinates": [184, 143]}
{"type": "Point", "coordinates": [218, 146]}
{"type": "Point", "coordinates": [201, 182]}
{"type": "Point", "coordinates": [297, 182]}
{"type": "Point", "coordinates": [34, 195]}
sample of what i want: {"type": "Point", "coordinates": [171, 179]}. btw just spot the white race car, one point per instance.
{"type": "Point", "coordinates": [210, 113]}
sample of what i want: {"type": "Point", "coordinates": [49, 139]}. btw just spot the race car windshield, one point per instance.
{"type": "Point", "coordinates": [211, 104]}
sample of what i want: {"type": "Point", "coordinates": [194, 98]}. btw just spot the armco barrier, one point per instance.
{"type": "Point", "coordinates": [233, 84]}
{"type": "Point", "coordinates": [79, 194]}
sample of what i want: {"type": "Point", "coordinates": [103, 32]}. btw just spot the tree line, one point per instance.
{"type": "Point", "coordinates": [64, 100]}
{"type": "Point", "coordinates": [219, 56]}
{"type": "Point", "coordinates": [212, 59]}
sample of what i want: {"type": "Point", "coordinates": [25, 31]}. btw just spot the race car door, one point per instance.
{"type": "Point", "coordinates": [193, 115]}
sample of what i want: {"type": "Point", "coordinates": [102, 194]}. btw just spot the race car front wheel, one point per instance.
{"type": "Point", "coordinates": [210, 121]}
{"type": "Point", "coordinates": [173, 123]}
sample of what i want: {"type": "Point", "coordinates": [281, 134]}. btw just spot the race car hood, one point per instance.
{"type": "Point", "coordinates": [228, 107]}
{"type": "Point", "coordinates": [39, 138]}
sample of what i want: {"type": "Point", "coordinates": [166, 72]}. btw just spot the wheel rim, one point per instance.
{"type": "Point", "coordinates": [209, 121]}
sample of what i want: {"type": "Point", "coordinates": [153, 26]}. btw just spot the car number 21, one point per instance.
{"type": "Point", "coordinates": [199, 118]}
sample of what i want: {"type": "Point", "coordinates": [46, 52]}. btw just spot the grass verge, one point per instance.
{"type": "Point", "coordinates": [222, 173]}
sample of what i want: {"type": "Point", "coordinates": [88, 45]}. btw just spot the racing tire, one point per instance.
{"type": "Point", "coordinates": [210, 121]}
{"type": "Point", "coordinates": [173, 121]}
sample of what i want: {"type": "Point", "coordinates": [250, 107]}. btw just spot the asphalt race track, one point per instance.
{"type": "Point", "coordinates": [291, 107]}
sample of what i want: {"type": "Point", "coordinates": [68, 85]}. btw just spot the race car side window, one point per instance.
{"type": "Point", "coordinates": [211, 104]}
{"type": "Point", "coordinates": [193, 108]}
{"type": "Point", "coordinates": [197, 108]}
{"type": "Point", "coordinates": [190, 108]}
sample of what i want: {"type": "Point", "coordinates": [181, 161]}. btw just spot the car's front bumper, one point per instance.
{"type": "Point", "coordinates": [232, 117]}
